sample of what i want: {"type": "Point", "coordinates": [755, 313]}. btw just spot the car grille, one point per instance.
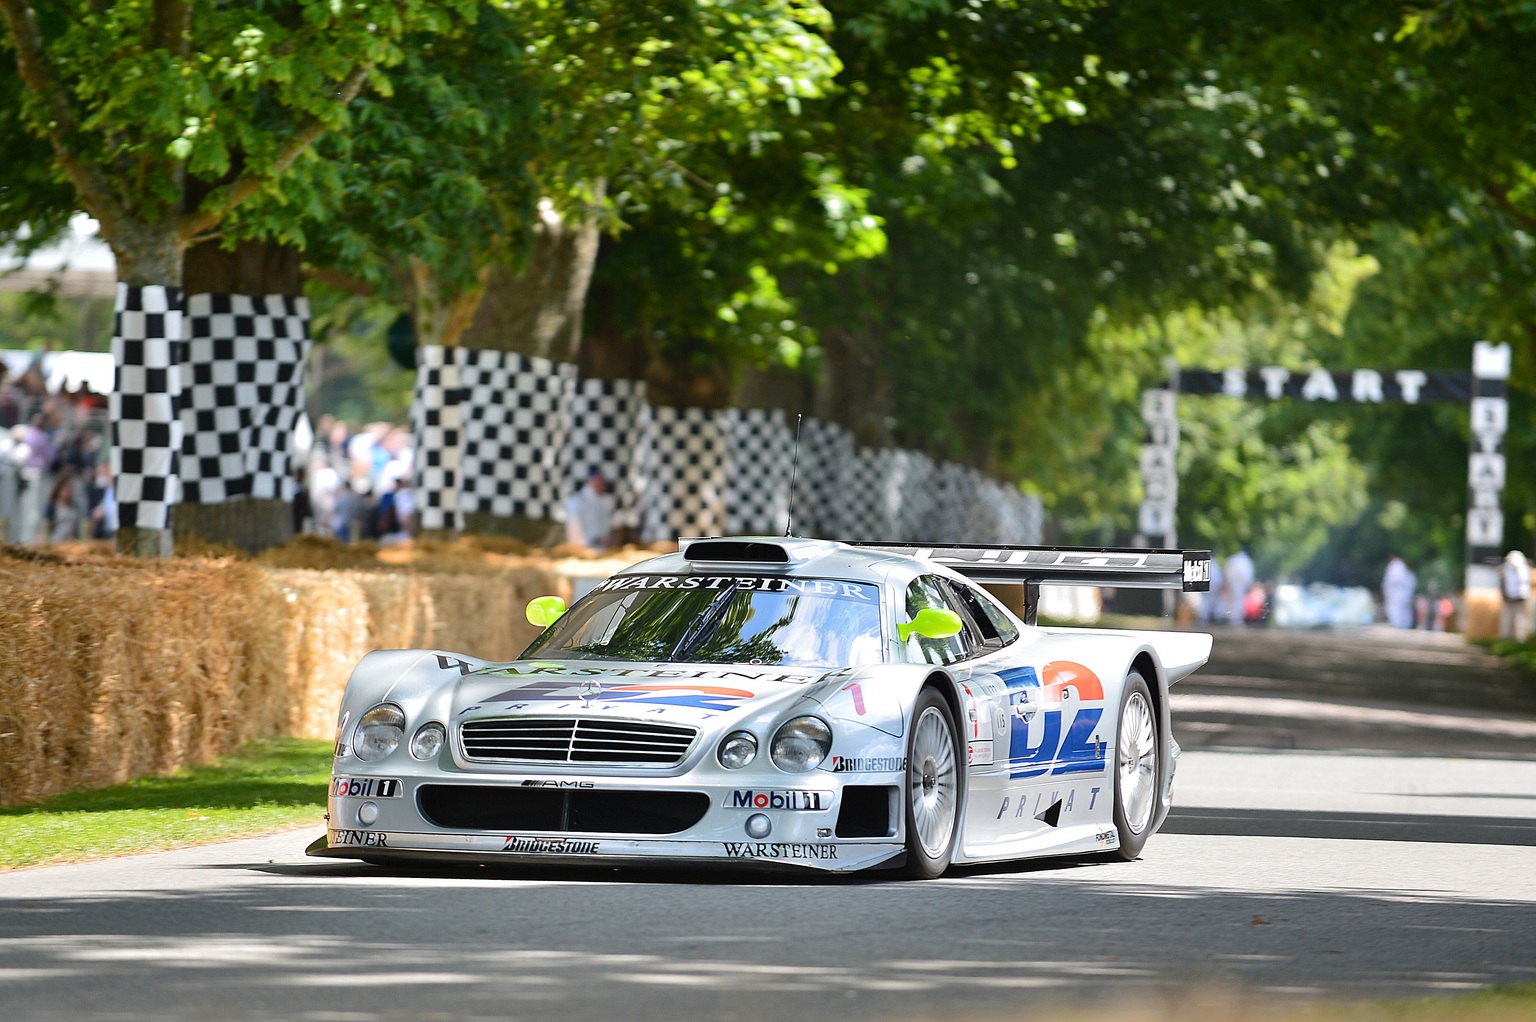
{"type": "Point", "coordinates": [562, 810]}
{"type": "Point", "coordinates": [576, 740]}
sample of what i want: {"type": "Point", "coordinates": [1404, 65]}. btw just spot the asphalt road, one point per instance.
{"type": "Point", "coordinates": [1357, 816]}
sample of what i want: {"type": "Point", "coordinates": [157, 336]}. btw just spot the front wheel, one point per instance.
{"type": "Point", "coordinates": [1138, 767]}
{"type": "Point", "coordinates": [933, 787]}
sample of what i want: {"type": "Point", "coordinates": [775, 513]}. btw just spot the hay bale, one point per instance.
{"type": "Point", "coordinates": [116, 668]}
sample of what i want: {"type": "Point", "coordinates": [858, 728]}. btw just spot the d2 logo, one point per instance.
{"type": "Point", "coordinates": [1076, 752]}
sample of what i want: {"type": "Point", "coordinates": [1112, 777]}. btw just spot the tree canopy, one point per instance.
{"type": "Point", "coordinates": [975, 227]}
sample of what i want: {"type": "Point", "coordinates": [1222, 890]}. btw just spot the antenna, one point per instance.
{"type": "Point", "coordinates": [794, 470]}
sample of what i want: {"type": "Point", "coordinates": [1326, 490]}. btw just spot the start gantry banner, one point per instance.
{"type": "Point", "coordinates": [1346, 386]}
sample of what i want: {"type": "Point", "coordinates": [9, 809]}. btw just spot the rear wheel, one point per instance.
{"type": "Point", "coordinates": [1138, 767]}
{"type": "Point", "coordinates": [933, 787]}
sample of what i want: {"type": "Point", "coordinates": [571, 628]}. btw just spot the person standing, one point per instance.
{"type": "Point", "coordinates": [1397, 586]}
{"type": "Point", "coordinates": [1239, 581]}
{"type": "Point", "coordinates": [1515, 580]}
{"type": "Point", "coordinates": [589, 514]}
{"type": "Point", "coordinates": [1213, 608]}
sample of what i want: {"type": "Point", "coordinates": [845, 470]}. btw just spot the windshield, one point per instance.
{"type": "Point", "coordinates": [729, 619]}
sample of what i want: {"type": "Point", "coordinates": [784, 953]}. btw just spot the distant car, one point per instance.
{"type": "Point", "coordinates": [778, 703]}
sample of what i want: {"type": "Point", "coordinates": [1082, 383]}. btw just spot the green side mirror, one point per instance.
{"type": "Point", "coordinates": [546, 610]}
{"type": "Point", "coordinates": [931, 623]}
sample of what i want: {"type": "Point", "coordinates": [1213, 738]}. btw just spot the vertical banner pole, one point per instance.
{"type": "Point", "coordinates": [1159, 468]}
{"type": "Point", "coordinates": [1485, 477]}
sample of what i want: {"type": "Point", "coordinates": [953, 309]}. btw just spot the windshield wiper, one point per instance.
{"type": "Point", "coordinates": [706, 622]}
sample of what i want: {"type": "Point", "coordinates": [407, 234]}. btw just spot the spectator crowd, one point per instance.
{"type": "Point", "coordinates": [55, 480]}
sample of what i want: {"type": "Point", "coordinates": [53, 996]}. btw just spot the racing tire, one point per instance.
{"type": "Point", "coordinates": [1137, 766]}
{"type": "Point", "coordinates": [931, 795]}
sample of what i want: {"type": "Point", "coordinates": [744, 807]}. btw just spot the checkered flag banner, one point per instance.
{"type": "Point", "coordinates": [243, 376]}
{"type": "Point", "coordinates": [146, 403]}
{"type": "Point", "coordinates": [825, 451]}
{"type": "Point", "coordinates": [685, 461]}
{"type": "Point", "coordinates": [761, 451]}
{"type": "Point", "coordinates": [954, 498]}
{"type": "Point", "coordinates": [527, 432]}
{"type": "Point", "coordinates": [437, 422]}
{"type": "Point", "coordinates": [911, 480]}
{"type": "Point", "coordinates": [606, 419]}
{"type": "Point", "coordinates": [516, 446]}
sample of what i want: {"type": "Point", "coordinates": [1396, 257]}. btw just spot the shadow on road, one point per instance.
{"type": "Point", "coordinates": [1478, 830]}
{"type": "Point", "coordinates": [360, 937]}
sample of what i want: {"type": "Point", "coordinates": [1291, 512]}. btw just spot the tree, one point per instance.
{"type": "Point", "coordinates": [139, 102]}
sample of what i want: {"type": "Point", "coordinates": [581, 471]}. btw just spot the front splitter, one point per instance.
{"type": "Point", "coordinates": [502, 849]}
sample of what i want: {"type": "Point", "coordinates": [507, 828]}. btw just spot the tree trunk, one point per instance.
{"type": "Point", "coordinates": [611, 349]}
{"type": "Point", "coordinates": [856, 392]}
{"type": "Point", "coordinates": [695, 377]}
{"type": "Point", "coordinates": [250, 268]}
{"type": "Point", "coordinates": [789, 390]}
{"type": "Point", "coordinates": [538, 312]}
{"type": "Point", "coordinates": [148, 255]}
{"type": "Point", "coordinates": [254, 268]}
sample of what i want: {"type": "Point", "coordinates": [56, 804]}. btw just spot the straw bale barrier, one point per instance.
{"type": "Point", "coordinates": [113, 668]}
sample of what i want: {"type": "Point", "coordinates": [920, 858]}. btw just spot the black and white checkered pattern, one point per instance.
{"type": "Point", "coordinates": [825, 451]}
{"type": "Point", "coordinates": [869, 500]}
{"type": "Point", "coordinates": [685, 478]}
{"type": "Point", "coordinates": [146, 403]}
{"type": "Point", "coordinates": [516, 434]}
{"type": "Point", "coordinates": [437, 422]}
{"type": "Point", "coordinates": [912, 478]}
{"type": "Point", "coordinates": [243, 392]}
{"type": "Point", "coordinates": [606, 419]}
{"type": "Point", "coordinates": [757, 488]}
{"type": "Point", "coordinates": [954, 494]}
{"type": "Point", "coordinates": [531, 433]}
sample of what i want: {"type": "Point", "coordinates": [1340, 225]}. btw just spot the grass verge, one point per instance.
{"type": "Point", "coordinates": [1519, 655]}
{"type": "Point", "coordinates": [268, 785]}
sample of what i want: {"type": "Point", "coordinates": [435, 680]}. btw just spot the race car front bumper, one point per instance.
{"type": "Point", "coordinates": [826, 825]}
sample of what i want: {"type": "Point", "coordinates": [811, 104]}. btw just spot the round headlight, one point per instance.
{"type": "Point", "coordinates": [801, 744]}
{"type": "Point", "coordinates": [738, 749]}
{"type": "Point", "coordinates": [378, 733]}
{"type": "Point", "coordinates": [428, 740]}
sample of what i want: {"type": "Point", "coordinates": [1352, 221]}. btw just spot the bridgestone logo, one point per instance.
{"type": "Point", "coordinates": [774, 850]}
{"type": "Point", "coordinates": [869, 765]}
{"type": "Point", "coordinates": [550, 845]}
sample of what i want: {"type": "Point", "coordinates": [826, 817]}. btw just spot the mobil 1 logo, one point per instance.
{"type": "Point", "coordinates": [812, 801]}
{"type": "Point", "coordinates": [365, 787]}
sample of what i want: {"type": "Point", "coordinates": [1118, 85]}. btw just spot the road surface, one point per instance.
{"type": "Point", "coordinates": [1357, 816]}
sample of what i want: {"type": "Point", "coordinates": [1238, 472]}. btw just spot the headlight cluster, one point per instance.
{"type": "Point", "coordinates": [737, 750]}
{"type": "Point", "coordinates": [378, 732]}
{"type": "Point", "coordinates": [428, 741]}
{"type": "Point", "coordinates": [800, 745]}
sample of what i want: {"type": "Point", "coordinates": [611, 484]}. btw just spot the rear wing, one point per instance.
{"type": "Point", "coordinates": [1186, 571]}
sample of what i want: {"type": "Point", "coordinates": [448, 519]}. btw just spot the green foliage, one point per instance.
{"type": "Point", "coordinates": [595, 110]}
{"type": "Point", "coordinates": [355, 377]}
{"type": "Point", "coordinates": [42, 321]}
{"type": "Point", "coordinates": [149, 105]}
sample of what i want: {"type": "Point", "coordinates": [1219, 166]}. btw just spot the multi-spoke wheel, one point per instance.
{"type": "Point", "coordinates": [1137, 767]}
{"type": "Point", "coordinates": [933, 787]}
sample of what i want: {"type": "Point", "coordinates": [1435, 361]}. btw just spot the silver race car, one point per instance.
{"type": "Point", "coordinates": [779, 703]}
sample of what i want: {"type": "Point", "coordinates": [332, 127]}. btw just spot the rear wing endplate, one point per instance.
{"type": "Point", "coordinates": [1186, 571]}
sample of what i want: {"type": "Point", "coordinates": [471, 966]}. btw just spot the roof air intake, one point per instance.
{"type": "Point", "coordinates": [736, 550]}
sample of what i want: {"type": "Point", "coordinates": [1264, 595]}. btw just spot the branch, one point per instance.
{"type": "Point", "coordinates": [1500, 196]}
{"type": "Point", "coordinates": [38, 74]}
{"type": "Point", "coordinates": [339, 280]}
{"type": "Point", "coordinates": [212, 210]}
